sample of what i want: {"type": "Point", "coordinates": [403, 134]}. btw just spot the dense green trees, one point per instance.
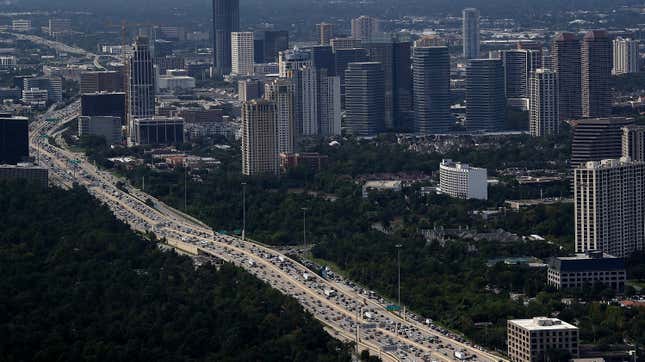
{"type": "Point", "coordinates": [78, 285]}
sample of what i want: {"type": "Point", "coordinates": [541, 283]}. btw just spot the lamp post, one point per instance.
{"type": "Point", "coordinates": [398, 261]}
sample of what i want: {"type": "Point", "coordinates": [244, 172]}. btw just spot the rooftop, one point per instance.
{"type": "Point", "coordinates": [591, 261]}
{"type": "Point", "coordinates": [542, 324]}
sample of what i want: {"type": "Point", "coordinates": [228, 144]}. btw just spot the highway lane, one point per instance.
{"type": "Point", "coordinates": [344, 310]}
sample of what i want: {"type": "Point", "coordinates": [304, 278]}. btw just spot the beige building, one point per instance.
{"type": "Point", "coordinates": [281, 92]}
{"type": "Point", "coordinates": [242, 53]}
{"type": "Point", "coordinates": [530, 339]}
{"type": "Point", "coordinates": [326, 32]}
{"type": "Point", "coordinates": [609, 199]}
{"type": "Point", "coordinates": [365, 27]}
{"type": "Point", "coordinates": [260, 138]}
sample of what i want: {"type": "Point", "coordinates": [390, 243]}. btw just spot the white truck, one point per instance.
{"type": "Point", "coordinates": [330, 292]}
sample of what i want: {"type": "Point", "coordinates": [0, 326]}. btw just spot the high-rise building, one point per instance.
{"type": "Point", "coordinates": [248, 89]}
{"type": "Point", "coordinates": [626, 56]}
{"type": "Point", "coordinates": [634, 142]}
{"type": "Point", "coordinates": [364, 99]}
{"type": "Point", "coordinates": [53, 86]}
{"type": "Point", "coordinates": [325, 33]}
{"type": "Point", "coordinates": [431, 67]}
{"type": "Point", "coordinates": [158, 131]}
{"type": "Point", "coordinates": [293, 59]}
{"type": "Point", "coordinates": [544, 119]}
{"type": "Point", "coordinates": [597, 139]}
{"type": "Point", "coordinates": [345, 43]}
{"type": "Point", "coordinates": [268, 44]}
{"type": "Point", "coordinates": [470, 33]}
{"type": "Point", "coordinates": [140, 94]}
{"type": "Point", "coordinates": [101, 126]}
{"type": "Point", "coordinates": [242, 53]}
{"type": "Point", "coordinates": [596, 74]}
{"type": "Point", "coordinates": [21, 25]}
{"type": "Point", "coordinates": [567, 63]}
{"type": "Point", "coordinates": [226, 19]}
{"type": "Point", "coordinates": [342, 58]}
{"type": "Point", "coordinates": [395, 58]}
{"type": "Point", "coordinates": [609, 201]}
{"type": "Point", "coordinates": [365, 27]}
{"type": "Point", "coordinates": [58, 27]}
{"type": "Point", "coordinates": [322, 57]}
{"type": "Point", "coordinates": [485, 99]}
{"type": "Point", "coordinates": [107, 81]}
{"type": "Point", "coordinates": [429, 41]}
{"type": "Point", "coordinates": [329, 109]}
{"type": "Point", "coordinates": [281, 92]}
{"type": "Point", "coordinates": [14, 139]}
{"type": "Point", "coordinates": [515, 70]}
{"type": "Point", "coordinates": [529, 340]}
{"type": "Point", "coordinates": [260, 138]}
{"type": "Point", "coordinates": [104, 104]}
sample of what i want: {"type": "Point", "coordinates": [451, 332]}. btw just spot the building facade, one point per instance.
{"type": "Point", "coordinates": [242, 58]}
{"type": "Point", "coordinates": [626, 56]}
{"type": "Point", "coordinates": [585, 270]}
{"type": "Point", "coordinates": [107, 81]}
{"type": "Point", "coordinates": [364, 99]}
{"type": "Point", "coordinates": [101, 126]}
{"type": "Point", "coordinates": [14, 139]}
{"type": "Point", "coordinates": [365, 27]}
{"type": "Point", "coordinates": [281, 92]}
{"type": "Point", "coordinates": [516, 72]}
{"type": "Point", "coordinates": [226, 20]}
{"type": "Point", "coordinates": [609, 202]}
{"type": "Point", "coordinates": [432, 98]}
{"type": "Point", "coordinates": [470, 33]}
{"type": "Point", "coordinates": [530, 340]}
{"type": "Point", "coordinates": [567, 63]}
{"type": "Point", "coordinates": [25, 172]}
{"type": "Point", "coordinates": [596, 74]}
{"type": "Point", "coordinates": [140, 97]}
{"type": "Point", "coordinates": [485, 96]}
{"type": "Point", "coordinates": [596, 139]}
{"type": "Point", "coordinates": [634, 142]}
{"type": "Point", "coordinates": [259, 138]}
{"type": "Point", "coordinates": [158, 131]}
{"type": "Point", "coordinates": [463, 181]}
{"type": "Point", "coordinates": [544, 118]}
{"type": "Point", "coordinates": [325, 33]}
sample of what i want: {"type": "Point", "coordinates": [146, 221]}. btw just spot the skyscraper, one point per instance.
{"type": "Point", "coordinates": [14, 139]}
{"type": "Point", "coordinates": [596, 74]}
{"type": "Point", "coordinates": [470, 33]}
{"type": "Point", "coordinates": [342, 58]}
{"type": "Point", "coordinates": [281, 92]}
{"type": "Point", "coordinates": [485, 99]}
{"type": "Point", "coordinates": [544, 118]}
{"type": "Point", "coordinates": [268, 43]}
{"type": "Point", "coordinates": [597, 139]}
{"type": "Point", "coordinates": [566, 62]}
{"type": "Point", "coordinates": [226, 19]}
{"type": "Point", "coordinates": [515, 71]}
{"type": "Point", "coordinates": [260, 138]}
{"type": "Point", "coordinates": [626, 56]}
{"type": "Point", "coordinates": [365, 27]}
{"type": "Point", "coordinates": [242, 58]}
{"type": "Point", "coordinates": [364, 99]}
{"type": "Point", "coordinates": [634, 142]}
{"type": "Point", "coordinates": [431, 67]}
{"type": "Point", "coordinates": [141, 83]}
{"type": "Point", "coordinates": [610, 206]}
{"type": "Point", "coordinates": [325, 33]}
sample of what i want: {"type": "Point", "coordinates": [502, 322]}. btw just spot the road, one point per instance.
{"type": "Point", "coordinates": [348, 311]}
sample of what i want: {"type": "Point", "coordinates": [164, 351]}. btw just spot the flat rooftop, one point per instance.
{"type": "Point", "coordinates": [543, 324]}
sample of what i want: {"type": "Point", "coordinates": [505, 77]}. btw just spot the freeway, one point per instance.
{"type": "Point", "coordinates": [348, 311]}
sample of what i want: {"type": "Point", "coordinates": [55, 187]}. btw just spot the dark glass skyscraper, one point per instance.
{"type": "Point", "coordinates": [364, 99]}
{"type": "Point", "coordinates": [485, 98]}
{"type": "Point", "coordinates": [226, 19]}
{"type": "Point", "coordinates": [596, 67]}
{"type": "Point", "coordinates": [566, 62]}
{"type": "Point", "coordinates": [14, 142]}
{"type": "Point", "coordinates": [432, 90]}
{"type": "Point", "coordinates": [141, 82]}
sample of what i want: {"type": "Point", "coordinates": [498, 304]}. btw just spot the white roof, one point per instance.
{"type": "Point", "coordinates": [543, 324]}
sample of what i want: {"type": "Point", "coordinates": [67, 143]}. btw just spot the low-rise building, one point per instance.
{"type": "Point", "coordinates": [102, 126]}
{"type": "Point", "coordinates": [25, 171]}
{"type": "Point", "coordinates": [311, 160]}
{"type": "Point", "coordinates": [531, 339]}
{"type": "Point", "coordinates": [394, 186]}
{"type": "Point", "coordinates": [587, 269]}
{"type": "Point", "coordinates": [463, 181]}
{"type": "Point", "coordinates": [158, 131]}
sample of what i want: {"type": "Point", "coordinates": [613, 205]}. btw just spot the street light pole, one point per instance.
{"type": "Point", "coordinates": [398, 260]}
{"type": "Point", "coordinates": [243, 210]}
{"type": "Point", "coordinates": [304, 229]}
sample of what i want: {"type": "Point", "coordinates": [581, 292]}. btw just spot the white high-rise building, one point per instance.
{"type": "Point", "coordinates": [365, 27]}
{"type": "Point", "coordinates": [543, 103]}
{"type": "Point", "coordinates": [293, 59]}
{"type": "Point", "coordinates": [461, 181]}
{"type": "Point", "coordinates": [259, 138]}
{"type": "Point", "coordinates": [610, 206]}
{"type": "Point", "coordinates": [626, 56]}
{"type": "Point", "coordinates": [281, 92]}
{"type": "Point", "coordinates": [329, 112]}
{"type": "Point", "coordinates": [242, 53]}
{"type": "Point", "coordinates": [470, 33]}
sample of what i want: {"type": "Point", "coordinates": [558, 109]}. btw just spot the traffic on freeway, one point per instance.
{"type": "Point", "coordinates": [348, 311]}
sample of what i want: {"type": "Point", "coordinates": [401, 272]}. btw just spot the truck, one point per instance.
{"type": "Point", "coordinates": [306, 276]}
{"type": "Point", "coordinates": [330, 292]}
{"type": "Point", "coordinates": [368, 315]}
{"type": "Point", "coordinates": [460, 355]}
